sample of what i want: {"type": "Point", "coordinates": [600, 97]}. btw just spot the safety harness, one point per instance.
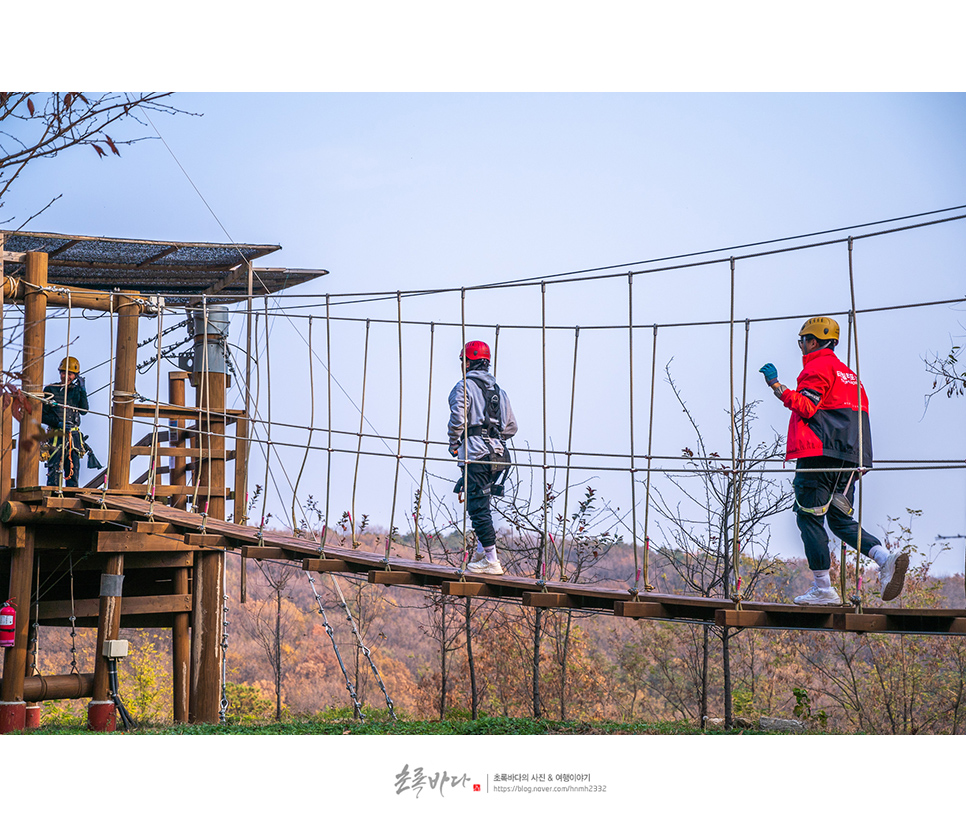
{"type": "Point", "coordinates": [491, 429]}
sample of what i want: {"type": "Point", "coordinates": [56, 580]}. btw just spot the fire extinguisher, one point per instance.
{"type": "Point", "coordinates": [8, 624]}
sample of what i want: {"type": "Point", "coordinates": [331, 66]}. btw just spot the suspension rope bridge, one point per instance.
{"type": "Point", "coordinates": [156, 512]}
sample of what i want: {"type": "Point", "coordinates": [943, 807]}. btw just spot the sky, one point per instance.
{"type": "Point", "coordinates": [440, 191]}
{"type": "Point", "coordinates": [414, 158]}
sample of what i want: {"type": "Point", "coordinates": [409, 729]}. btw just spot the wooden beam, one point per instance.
{"type": "Point", "coordinates": [638, 609]}
{"type": "Point", "coordinates": [463, 589]}
{"type": "Point", "coordinates": [865, 622]}
{"type": "Point", "coordinates": [326, 565]}
{"type": "Point", "coordinates": [163, 604]}
{"type": "Point", "coordinates": [742, 618]}
{"type": "Point", "coordinates": [107, 515]}
{"type": "Point", "coordinates": [392, 577]}
{"type": "Point", "coordinates": [115, 541]}
{"type": "Point", "coordinates": [546, 600]}
{"type": "Point", "coordinates": [157, 527]}
{"type": "Point", "coordinates": [207, 541]}
{"type": "Point", "coordinates": [264, 552]}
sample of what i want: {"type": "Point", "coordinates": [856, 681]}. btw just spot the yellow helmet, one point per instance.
{"type": "Point", "coordinates": [69, 364]}
{"type": "Point", "coordinates": [821, 327]}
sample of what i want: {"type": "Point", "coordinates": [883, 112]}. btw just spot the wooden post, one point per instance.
{"type": "Point", "coordinates": [12, 705]}
{"type": "Point", "coordinates": [209, 571]}
{"type": "Point", "coordinates": [125, 374]}
{"type": "Point", "coordinates": [100, 712]}
{"type": "Point", "coordinates": [6, 418]}
{"type": "Point", "coordinates": [181, 628]}
{"type": "Point", "coordinates": [34, 344]}
{"type": "Point", "coordinates": [179, 466]}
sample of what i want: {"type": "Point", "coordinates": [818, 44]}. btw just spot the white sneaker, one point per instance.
{"type": "Point", "coordinates": [892, 575]}
{"type": "Point", "coordinates": [818, 596]}
{"type": "Point", "coordinates": [481, 565]}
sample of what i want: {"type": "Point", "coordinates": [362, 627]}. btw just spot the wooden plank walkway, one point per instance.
{"type": "Point", "coordinates": [157, 528]}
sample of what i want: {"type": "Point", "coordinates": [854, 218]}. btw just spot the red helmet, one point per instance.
{"type": "Point", "coordinates": [475, 350]}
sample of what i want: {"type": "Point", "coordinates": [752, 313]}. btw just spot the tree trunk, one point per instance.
{"type": "Point", "coordinates": [563, 666]}
{"type": "Point", "coordinates": [278, 654]}
{"type": "Point", "coordinates": [537, 638]}
{"type": "Point", "coordinates": [704, 676]}
{"type": "Point", "coordinates": [474, 695]}
{"type": "Point", "coordinates": [442, 661]}
{"type": "Point", "coordinates": [726, 664]}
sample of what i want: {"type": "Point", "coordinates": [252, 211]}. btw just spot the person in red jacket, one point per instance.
{"type": "Point", "coordinates": [830, 440]}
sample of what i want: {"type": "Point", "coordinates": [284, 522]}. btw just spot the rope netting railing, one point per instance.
{"type": "Point", "coordinates": [342, 461]}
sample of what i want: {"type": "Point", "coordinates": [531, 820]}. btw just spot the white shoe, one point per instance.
{"type": "Point", "coordinates": [481, 565]}
{"type": "Point", "coordinates": [819, 596]}
{"type": "Point", "coordinates": [892, 575]}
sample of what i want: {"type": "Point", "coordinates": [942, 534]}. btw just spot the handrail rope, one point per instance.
{"type": "Point", "coordinates": [861, 460]}
{"type": "Point", "coordinates": [647, 488]}
{"type": "Point", "coordinates": [395, 485]}
{"type": "Point", "coordinates": [630, 365]}
{"type": "Point", "coordinates": [570, 438]}
{"type": "Point", "coordinates": [429, 411]}
{"type": "Point", "coordinates": [362, 412]}
{"type": "Point", "coordinates": [295, 526]}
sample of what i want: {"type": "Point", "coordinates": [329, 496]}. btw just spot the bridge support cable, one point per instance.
{"type": "Point", "coordinates": [633, 470]}
{"type": "Point", "coordinates": [362, 646]}
{"type": "Point", "coordinates": [429, 411]}
{"type": "Point", "coordinates": [328, 399]}
{"type": "Point", "coordinates": [362, 419]}
{"type": "Point", "coordinates": [547, 483]}
{"type": "Point", "coordinates": [395, 483]}
{"type": "Point", "coordinates": [857, 599]}
{"type": "Point", "coordinates": [308, 444]}
{"type": "Point", "coordinates": [570, 441]}
{"type": "Point", "coordinates": [647, 486]}
{"type": "Point", "coordinates": [335, 646]}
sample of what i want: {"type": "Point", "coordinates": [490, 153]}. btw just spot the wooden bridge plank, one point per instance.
{"type": "Point", "coordinates": [547, 600]}
{"type": "Point", "coordinates": [393, 577]}
{"type": "Point", "coordinates": [326, 565]}
{"type": "Point", "coordinates": [599, 598]}
{"type": "Point", "coordinates": [463, 589]}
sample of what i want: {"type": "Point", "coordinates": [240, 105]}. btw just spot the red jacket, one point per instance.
{"type": "Point", "coordinates": [824, 417]}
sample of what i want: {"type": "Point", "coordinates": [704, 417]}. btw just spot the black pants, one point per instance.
{"type": "Point", "coordinates": [479, 479]}
{"type": "Point", "coordinates": [815, 489]}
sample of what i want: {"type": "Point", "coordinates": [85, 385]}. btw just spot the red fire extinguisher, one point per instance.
{"type": "Point", "coordinates": [8, 624]}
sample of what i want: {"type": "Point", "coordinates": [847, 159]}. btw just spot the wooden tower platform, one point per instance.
{"type": "Point", "coordinates": [123, 572]}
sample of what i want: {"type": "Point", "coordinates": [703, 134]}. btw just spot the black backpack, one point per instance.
{"type": "Point", "coordinates": [492, 428]}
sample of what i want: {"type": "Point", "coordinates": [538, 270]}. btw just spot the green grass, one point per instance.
{"type": "Point", "coordinates": [376, 723]}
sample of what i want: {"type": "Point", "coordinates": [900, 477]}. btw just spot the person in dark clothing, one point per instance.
{"type": "Point", "coordinates": [828, 432]}
{"type": "Point", "coordinates": [480, 422]}
{"type": "Point", "coordinates": [64, 403]}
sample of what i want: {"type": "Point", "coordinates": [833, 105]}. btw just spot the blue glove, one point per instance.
{"type": "Point", "coordinates": [770, 372]}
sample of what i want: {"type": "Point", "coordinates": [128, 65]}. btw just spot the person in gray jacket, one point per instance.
{"type": "Point", "coordinates": [480, 420]}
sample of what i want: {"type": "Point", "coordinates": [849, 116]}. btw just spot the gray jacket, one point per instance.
{"type": "Point", "coordinates": [474, 403]}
